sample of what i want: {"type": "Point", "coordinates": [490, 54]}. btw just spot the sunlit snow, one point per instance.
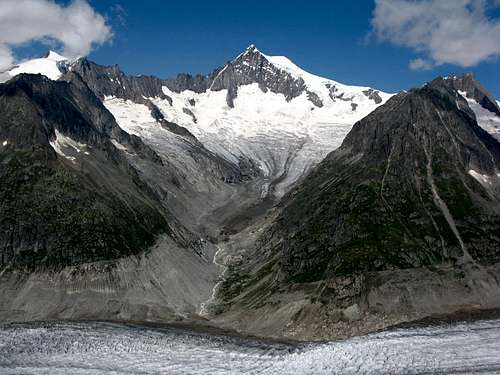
{"type": "Point", "coordinates": [489, 121]}
{"type": "Point", "coordinates": [61, 142]}
{"type": "Point", "coordinates": [277, 134]}
{"type": "Point", "coordinates": [46, 66]}
{"type": "Point", "coordinates": [481, 178]}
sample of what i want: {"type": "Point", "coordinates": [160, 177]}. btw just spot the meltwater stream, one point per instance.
{"type": "Point", "coordinates": [104, 348]}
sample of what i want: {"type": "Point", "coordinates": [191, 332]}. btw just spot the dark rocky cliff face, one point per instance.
{"type": "Point", "coordinates": [253, 67]}
{"type": "Point", "coordinates": [474, 90]}
{"type": "Point", "coordinates": [413, 190]}
{"type": "Point", "coordinates": [110, 81]}
{"type": "Point", "coordinates": [398, 193]}
{"type": "Point", "coordinates": [83, 203]}
{"type": "Point", "coordinates": [249, 67]}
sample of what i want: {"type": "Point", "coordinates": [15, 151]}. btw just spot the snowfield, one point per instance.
{"type": "Point", "coordinates": [46, 66]}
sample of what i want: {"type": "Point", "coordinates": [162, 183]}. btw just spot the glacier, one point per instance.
{"type": "Point", "coordinates": [110, 348]}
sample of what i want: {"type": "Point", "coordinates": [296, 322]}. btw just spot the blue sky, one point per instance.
{"type": "Point", "coordinates": [325, 37]}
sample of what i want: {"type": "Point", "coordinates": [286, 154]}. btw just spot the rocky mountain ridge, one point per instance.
{"type": "Point", "coordinates": [413, 190]}
{"type": "Point", "coordinates": [58, 139]}
{"type": "Point", "coordinates": [197, 163]}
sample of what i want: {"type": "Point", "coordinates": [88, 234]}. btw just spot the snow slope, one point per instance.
{"type": "Point", "coordinates": [285, 138]}
{"type": "Point", "coordinates": [44, 65]}
{"type": "Point", "coordinates": [62, 142]}
{"type": "Point", "coordinates": [489, 121]}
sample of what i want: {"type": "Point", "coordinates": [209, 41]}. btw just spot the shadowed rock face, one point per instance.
{"type": "Point", "coordinates": [253, 67]}
{"type": "Point", "coordinates": [69, 195]}
{"type": "Point", "coordinates": [110, 81]}
{"type": "Point", "coordinates": [474, 90]}
{"type": "Point", "coordinates": [410, 201]}
{"type": "Point", "coordinates": [398, 193]}
{"type": "Point", "coordinates": [249, 67]}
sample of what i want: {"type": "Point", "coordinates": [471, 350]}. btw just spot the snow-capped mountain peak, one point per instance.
{"type": "Point", "coordinates": [54, 56]}
{"type": "Point", "coordinates": [252, 48]}
{"type": "Point", "coordinates": [48, 65]}
{"type": "Point", "coordinates": [262, 108]}
{"type": "Point", "coordinates": [256, 107]}
{"type": "Point", "coordinates": [280, 74]}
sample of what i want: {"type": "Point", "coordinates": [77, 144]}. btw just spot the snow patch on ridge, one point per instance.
{"type": "Point", "coordinates": [46, 66]}
{"type": "Point", "coordinates": [118, 145]}
{"type": "Point", "coordinates": [481, 178]}
{"type": "Point", "coordinates": [62, 142]}
{"type": "Point", "coordinates": [132, 117]}
{"type": "Point", "coordinates": [489, 121]}
{"type": "Point", "coordinates": [484, 179]}
{"type": "Point", "coordinates": [319, 85]}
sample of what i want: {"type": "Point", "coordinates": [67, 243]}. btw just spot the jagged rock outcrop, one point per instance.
{"type": "Point", "coordinates": [373, 95]}
{"type": "Point", "coordinates": [249, 67]}
{"type": "Point", "coordinates": [474, 90]}
{"type": "Point", "coordinates": [110, 81]}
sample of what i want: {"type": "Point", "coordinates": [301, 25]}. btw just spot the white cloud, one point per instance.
{"type": "Point", "coordinates": [77, 27]}
{"type": "Point", "coordinates": [458, 32]}
{"type": "Point", "coordinates": [421, 64]}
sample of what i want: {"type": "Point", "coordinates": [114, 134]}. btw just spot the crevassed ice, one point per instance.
{"type": "Point", "coordinates": [266, 127]}
{"type": "Point", "coordinates": [285, 138]}
{"type": "Point", "coordinates": [100, 348]}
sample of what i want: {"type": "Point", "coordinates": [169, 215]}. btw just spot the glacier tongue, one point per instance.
{"type": "Point", "coordinates": [285, 138]}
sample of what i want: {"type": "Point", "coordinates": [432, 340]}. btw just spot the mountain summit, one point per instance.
{"type": "Point", "coordinates": [49, 65]}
